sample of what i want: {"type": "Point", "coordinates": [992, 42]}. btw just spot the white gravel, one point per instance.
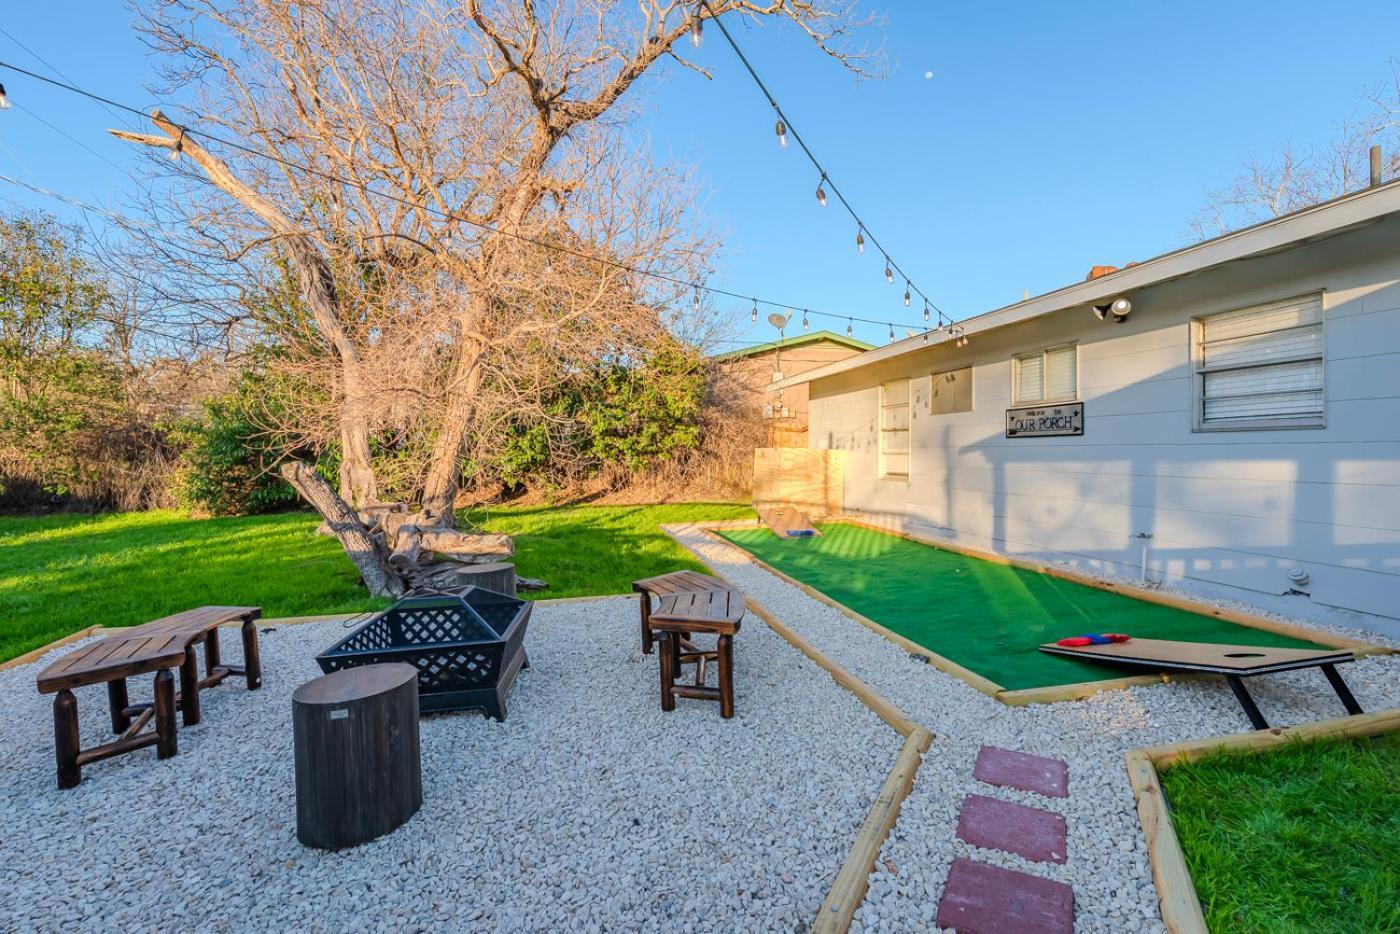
{"type": "Point", "coordinates": [587, 810]}
{"type": "Point", "coordinates": [1107, 864]}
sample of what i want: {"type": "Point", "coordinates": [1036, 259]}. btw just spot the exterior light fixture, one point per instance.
{"type": "Point", "coordinates": [821, 192]}
{"type": "Point", "coordinates": [860, 242]}
{"type": "Point", "coordinates": [781, 130]}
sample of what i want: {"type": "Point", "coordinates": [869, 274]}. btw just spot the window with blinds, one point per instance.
{"type": "Point", "coordinates": [1261, 367]}
{"type": "Point", "coordinates": [1045, 376]}
{"type": "Point", "coordinates": [894, 428]}
{"type": "Point", "coordinates": [951, 392]}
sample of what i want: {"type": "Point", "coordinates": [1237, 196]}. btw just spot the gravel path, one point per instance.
{"type": "Point", "coordinates": [1107, 864]}
{"type": "Point", "coordinates": [588, 809]}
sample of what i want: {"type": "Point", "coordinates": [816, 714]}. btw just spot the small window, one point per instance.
{"type": "Point", "coordinates": [951, 392]}
{"type": "Point", "coordinates": [1260, 367]}
{"type": "Point", "coordinates": [1045, 376]}
{"type": "Point", "coordinates": [894, 428]}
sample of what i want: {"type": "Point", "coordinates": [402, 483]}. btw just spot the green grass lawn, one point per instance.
{"type": "Point", "coordinates": [1305, 838]}
{"type": "Point", "coordinates": [61, 573]}
{"type": "Point", "coordinates": [985, 616]}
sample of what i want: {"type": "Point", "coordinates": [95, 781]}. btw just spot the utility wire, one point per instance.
{"type": "Point", "coordinates": [427, 208]}
{"type": "Point", "coordinates": [825, 178]}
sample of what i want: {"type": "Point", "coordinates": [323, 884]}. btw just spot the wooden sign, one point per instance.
{"type": "Point", "coordinates": [1044, 421]}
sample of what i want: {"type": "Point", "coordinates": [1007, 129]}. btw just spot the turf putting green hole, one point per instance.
{"type": "Point", "coordinates": [988, 617]}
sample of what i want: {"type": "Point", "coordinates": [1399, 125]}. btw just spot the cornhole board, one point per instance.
{"type": "Point", "coordinates": [786, 522]}
{"type": "Point", "coordinates": [1235, 662]}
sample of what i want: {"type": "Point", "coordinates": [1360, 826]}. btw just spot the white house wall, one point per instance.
{"type": "Point", "coordinates": [1230, 512]}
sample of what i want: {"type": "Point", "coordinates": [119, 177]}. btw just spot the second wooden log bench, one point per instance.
{"type": "Point", "coordinates": [689, 603]}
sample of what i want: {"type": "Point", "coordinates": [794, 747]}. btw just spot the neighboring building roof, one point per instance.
{"type": "Point", "coordinates": [1280, 233]}
{"type": "Point", "coordinates": [788, 343]}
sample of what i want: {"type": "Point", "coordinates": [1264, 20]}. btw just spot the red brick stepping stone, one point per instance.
{"type": "Point", "coordinates": [982, 899]}
{"type": "Point", "coordinates": [1049, 777]}
{"type": "Point", "coordinates": [1004, 825]}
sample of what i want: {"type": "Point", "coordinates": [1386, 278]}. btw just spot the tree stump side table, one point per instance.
{"type": "Point", "coordinates": [358, 765]}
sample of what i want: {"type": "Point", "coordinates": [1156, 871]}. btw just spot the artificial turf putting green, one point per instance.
{"type": "Point", "coordinates": [985, 616]}
{"type": "Point", "coordinates": [1302, 838]}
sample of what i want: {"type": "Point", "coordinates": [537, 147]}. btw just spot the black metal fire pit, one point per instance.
{"type": "Point", "coordinates": [467, 649]}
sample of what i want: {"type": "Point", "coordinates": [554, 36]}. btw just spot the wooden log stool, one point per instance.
{"type": "Point", "coordinates": [715, 612]}
{"type": "Point", "coordinates": [358, 761]}
{"type": "Point", "coordinates": [111, 661]}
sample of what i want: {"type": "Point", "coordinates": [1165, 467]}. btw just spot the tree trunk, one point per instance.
{"type": "Point", "coordinates": [445, 462]}
{"type": "Point", "coordinates": [367, 554]}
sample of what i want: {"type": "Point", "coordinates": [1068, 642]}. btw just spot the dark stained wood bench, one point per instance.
{"type": "Point", "coordinates": [692, 603]}
{"type": "Point", "coordinates": [158, 647]}
{"type": "Point", "coordinates": [664, 585]}
{"type": "Point", "coordinates": [200, 626]}
{"type": "Point", "coordinates": [111, 662]}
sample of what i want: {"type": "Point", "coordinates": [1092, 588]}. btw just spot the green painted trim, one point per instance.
{"type": "Point", "coordinates": [788, 343]}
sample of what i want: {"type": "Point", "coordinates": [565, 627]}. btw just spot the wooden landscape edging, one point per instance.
{"type": "Point", "coordinates": [1176, 893]}
{"type": "Point", "coordinates": [847, 892]}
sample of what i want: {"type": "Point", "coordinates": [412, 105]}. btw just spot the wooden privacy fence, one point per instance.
{"type": "Point", "coordinates": [811, 481]}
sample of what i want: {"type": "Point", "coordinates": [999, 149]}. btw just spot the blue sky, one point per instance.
{"type": "Point", "coordinates": [1051, 137]}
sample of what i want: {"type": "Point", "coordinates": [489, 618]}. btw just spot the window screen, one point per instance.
{"type": "Point", "coordinates": [894, 428]}
{"type": "Point", "coordinates": [1261, 367]}
{"type": "Point", "coordinates": [951, 392]}
{"type": "Point", "coordinates": [1045, 376]}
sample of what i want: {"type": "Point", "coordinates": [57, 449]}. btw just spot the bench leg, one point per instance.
{"type": "Point", "coordinates": [252, 664]}
{"type": "Point", "coordinates": [1340, 686]}
{"type": "Point", "coordinates": [668, 670]}
{"type": "Point", "coordinates": [212, 659]}
{"type": "Point", "coordinates": [117, 699]}
{"type": "Point", "coordinates": [65, 739]}
{"type": "Point", "coordinates": [644, 602]}
{"type": "Point", "coordinates": [189, 687]}
{"type": "Point", "coordinates": [726, 677]}
{"type": "Point", "coordinates": [1251, 710]}
{"type": "Point", "coordinates": [165, 713]}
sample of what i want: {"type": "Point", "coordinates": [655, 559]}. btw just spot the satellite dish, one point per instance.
{"type": "Point", "coordinates": [778, 321]}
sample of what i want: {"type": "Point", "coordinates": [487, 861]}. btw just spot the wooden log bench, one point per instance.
{"type": "Point", "coordinates": [156, 647]}
{"type": "Point", "coordinates": [200, 626]}
{"type": "Point", "coordinates": [690, 603]}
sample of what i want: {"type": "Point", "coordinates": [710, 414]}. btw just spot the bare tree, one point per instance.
{"type": "Point", "coordinates": [1294, 179]}
{"type": "Point", "coordinates": [402, 164]}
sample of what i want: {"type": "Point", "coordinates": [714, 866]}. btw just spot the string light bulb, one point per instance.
{"type": "Point", "coordinates": [906, 293]}
{"type": "Point", "coordinates": [4, 100]}
{"type": "Point", "coordinates": [889, 273]}
{"type": "Point", "coordinates": [926, 337]}
{"type": "Point", "coordinates": [178, 148]}
{"type": "Point", "coordinates": [696, 30]}
{"type": "Point", "coordinates": [805, 325]}
{"type": "Point", "coordinates": [860, 242]}
{"type": "Point", "coordinates": [891, 332]}
{"type": "Point", "coordinates": [781, 130]}
{"type": "Point", "coordinates": [925, 310]}
{"type": "Point", "coordinates": [753, 315]}
{"type": "Point", "coordinates": [850, 327]}
{"type": "Point", "coordinates": [821, 192]}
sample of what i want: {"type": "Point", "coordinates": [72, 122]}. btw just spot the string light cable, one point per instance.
{"type": "Point", "coordinates": [785, 128]}
{"type": "Point", "coordinates": [186, 132]}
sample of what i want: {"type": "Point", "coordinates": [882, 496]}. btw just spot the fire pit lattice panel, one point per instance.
{"type": "Point", "coordinates": [467, 648]}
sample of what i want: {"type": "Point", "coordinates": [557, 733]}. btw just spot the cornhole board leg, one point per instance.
{"type": "Point", "coordinates": [1334, 678]}
{"type": "Point", "coordinates": [1251, 709]}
